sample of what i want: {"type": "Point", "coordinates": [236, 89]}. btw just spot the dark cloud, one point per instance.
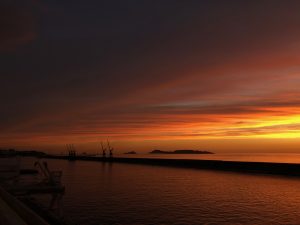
{"type": "Point", "coordinates": [114, 65]}
{"type": "Point", "coordinates": [18, 21]}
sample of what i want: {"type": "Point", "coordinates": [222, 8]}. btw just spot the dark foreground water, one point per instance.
{"type": "Point", "coordinates": [104, 193]}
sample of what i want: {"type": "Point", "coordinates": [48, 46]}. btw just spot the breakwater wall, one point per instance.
{"type": "Point", "coordinates": [290, 169]}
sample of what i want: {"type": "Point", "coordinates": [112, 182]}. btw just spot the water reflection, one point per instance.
{"type": "Point", "coordinates": [108, 193]}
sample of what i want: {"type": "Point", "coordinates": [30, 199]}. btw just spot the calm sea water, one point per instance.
{"type": "Point", "coordinates": [113, 193]}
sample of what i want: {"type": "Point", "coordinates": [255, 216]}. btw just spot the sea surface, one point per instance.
{"type": "Point", "coordinates": [114, 193]}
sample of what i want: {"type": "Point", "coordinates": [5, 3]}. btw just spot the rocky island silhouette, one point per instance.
{"type": "Point", "coordinates": [156, 151]}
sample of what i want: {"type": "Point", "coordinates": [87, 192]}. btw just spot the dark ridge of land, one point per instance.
{"type": "Point", "coordinates": [130, 153]}
{"type": "Point", "coordinates": [29, 153]}
{"type": "Point", "coordinates": [180, 152]}
{"type": "Point", "coordinates": [288, 169]}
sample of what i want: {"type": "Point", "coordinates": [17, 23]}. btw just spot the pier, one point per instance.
{"type": "Point", "coordinates": [18, 202]}
{"type": "Point", "coordinates": [14, 212]}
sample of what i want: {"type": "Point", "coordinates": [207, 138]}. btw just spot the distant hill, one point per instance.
{"type": "Point", "coordinates": [31, 153]}
{"type": "Point", "coordinates": [129, 153]}
{"type": "Point", "coordinates": [180, 152]}
{"type": "Point", "coordinates": [12, 152]}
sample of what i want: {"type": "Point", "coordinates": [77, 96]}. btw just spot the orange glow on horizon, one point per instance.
{"type": "Point", "coordinates": [273, 123]}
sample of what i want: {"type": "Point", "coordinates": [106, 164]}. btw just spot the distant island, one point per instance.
{"type": "Point", "coordinates": [180, 152]}
{"type": "Point", "coordinates": [129, 153]}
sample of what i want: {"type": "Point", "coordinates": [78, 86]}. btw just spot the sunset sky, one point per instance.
{"type": "Point", "coordinates": [167, 74]}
